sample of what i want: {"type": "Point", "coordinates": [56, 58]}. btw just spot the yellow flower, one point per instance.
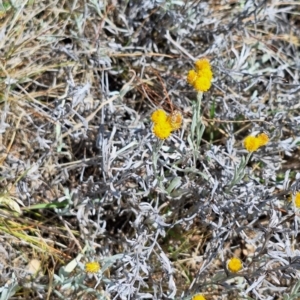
{"type": "Point", "coordinates": [234, 265]}
{"type": "Point", "coordinates": [191, 77]}
{"type": "Point", "coordinates": [251, 143]}
{"type": "Point", "coordinates": [162, 130]}
{"type": "Point", "coordinates": [202, 77]}
{"type": "Point", "coordinates": [202, 63]}
{"type": "Point", "coordinates": [164, 124]}
{"type": "Point", "coordinates": [207, 73]}
{"type": "Point", "coordinates": [175, 119]}
{"type": "Point", "coordinates": [198, 297]}
{"type": "Point", "coordinates": [297, 200]}
{"type": "Point", "coordinates": [159, 116]}
{"type": "Point", "coordinates": [202, 84]}
{"type": "Point", "coordinates": [92, 267]}
{"type": "Point", "coordinates": [263, 139]}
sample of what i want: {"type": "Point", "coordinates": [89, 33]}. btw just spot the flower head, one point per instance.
{"type": "Point", "coordinates": [191, 77]}
{"type": "Point", "coordinates": [296, 200]}
{"type": "Point", "coordinates": [207, 73]}
{"type": "Point", "coordinates": [198, 297]}
{"type": "Point", "coordinates": [202, 64]}
{"type": "Point", "coordinates": [251, 143]}
{"type": "Point", "coordinates": [202, 84]}
{"type": "Point", "coordinates": [202, 77]}
{"type": "Point", "coordinates": [234, 265]}
{"type": "Point", "coordinates": [158, 116]}
{"type": "Point", "coordinates": [92, 267]}
{"type": "Point", "coordinates": [162, 130]}
{"type": "Point", "coordinates": [263, 139]}
{"type": "Point", "coordinates": [164, 124]}
{"type": "Point", "coordinates": [175, 119]}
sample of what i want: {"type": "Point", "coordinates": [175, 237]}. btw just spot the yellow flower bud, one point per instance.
{"type": "Point", "coordinates": [175, 119]}
{"type": "Point", "coordinates": [159, 116]}
{"type": "Point", "coordinates": [92, 267]}
{"type": "Point", "coordinates": [201, 78]}
{"type": "Point", "coordinates": [251, 143]}
{"type": "Point", "coordinates": [234, 265]}
{"type": "Point", "coordinates": [162, 130]}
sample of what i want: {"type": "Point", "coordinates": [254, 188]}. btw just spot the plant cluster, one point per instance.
{"type": "Point", "coordinates": [253, 143]}
{"type": "Point", "coordinates": [164, 124]}
{"type": "Point", "coordinates": [201, 78]}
